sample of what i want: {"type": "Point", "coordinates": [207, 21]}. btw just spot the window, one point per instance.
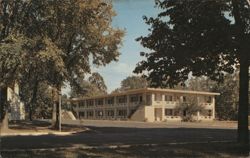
{"type": "Point", "coordinates": [110, 113]}
{"type": "Point", "coordinates": [168, 112]}
{"type": "Point", "coordinates": [168, 98]}
{"type": "Point", "coordinates": [140, 98]}
{"type": "Point", "coordinates": [81, 104]}
{"type": "Point", "coordinates": [122, 112]}
{"type": "Point", "coordinates": [158, 97]}
{"type": "Point", "coordinates": [90, 103]}
{"type": "Point", "coordinates": [148, 99]}
{"type": "Point", "coordinates": [177, 98]}
{"type": "Point", "coordinates": [122, 99]}
{"type": "Point", "coordinates": [81, 114]}
{"type": "Point", "coordinates": [209, 99]}
{"type": "Point", "coordinates": [99, 113]}
{"type": "Point", "coordinates": [90, 113]}
{"type": "Point", "coordinates": [176, 113]}
{"type": "Point", "coordinates": [209, 112]}
{"type": "Point", "coordinates": [134, 98]}
{"type": "Point", "coordinates": [110, 101]}
{"type": "Point", "coordinates": [184, 98]}
{"type": "Point", "coordinates": [99, 102]}
{"type": "Point", "coordinates": [74, 105]}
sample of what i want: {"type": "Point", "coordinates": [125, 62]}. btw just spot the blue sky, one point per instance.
{"type": "Point", "coordinates": [129, 17]}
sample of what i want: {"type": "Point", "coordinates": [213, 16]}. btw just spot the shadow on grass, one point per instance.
{"type": "Point", "coordinates": [167, 142]}
{"type": "Point", "coordinates": [28, 125]}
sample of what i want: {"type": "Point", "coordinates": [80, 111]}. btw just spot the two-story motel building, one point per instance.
{"type": "Point", "coordinates": [147, 104]}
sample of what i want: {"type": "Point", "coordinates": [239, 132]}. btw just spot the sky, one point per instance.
{"type": "Point", "coordinates": [129, 18]}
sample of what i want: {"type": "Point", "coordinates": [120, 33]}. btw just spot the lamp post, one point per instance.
{"type": "Point", "coordinates": [60, 110]}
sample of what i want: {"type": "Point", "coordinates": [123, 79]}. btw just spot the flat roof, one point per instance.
{"type": "Point", "coordinates": [143, 90]}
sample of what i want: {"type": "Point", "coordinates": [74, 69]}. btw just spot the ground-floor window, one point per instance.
{"type": "Point", "coordinates": [122, 112]}
{"type": "Point", "coordinates": [111, 113]}
{"type": "Point", "coordinates": [90, 113]}
{"type": "Point", "coordinates": [169, 112]}
{"type": "Point", "coordinates": [209, 112]}
{"type": "Point", "coordinates": [81, 115]}
{"type": "Point", "coordinates": [99, 113]}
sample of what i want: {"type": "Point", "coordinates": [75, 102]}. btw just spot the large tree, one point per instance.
{"type": "Point", "coordinates": [93, 86]}
{"type": "Point", "coordinates": [37, 98]}
{"type": "Point", "coordinates": [132, 82]}
{"type": "Point", "coordinates": [97, 80]}
{"type": "Point", "coordinates": [203, 37]}
{"type": "Point", "coordinates": [79, 30]}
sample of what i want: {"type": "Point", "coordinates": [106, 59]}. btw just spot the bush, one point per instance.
{"type": "Point", "coordinates": [190, 109]}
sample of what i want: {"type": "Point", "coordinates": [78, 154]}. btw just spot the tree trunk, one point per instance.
{"type": "Point", "coordinates": [56, 110]}
{"type": "Point", "coordinates": [33, 100]}
{"type": "Point", "coordinates": [53, 121]}
{"type": "Point", "coordinates": [4, 110]}
{"type": "Point", "coordinates": [30, 112]}
{"type": "Point", "coordinates": [243, 135]}
{"type": "Point", "coordinates": [5, 121]}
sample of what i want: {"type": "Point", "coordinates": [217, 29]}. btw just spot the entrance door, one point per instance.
{"type": "Point", "coordinates": [158, 114]}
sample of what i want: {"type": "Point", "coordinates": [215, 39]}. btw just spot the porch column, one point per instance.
{"type": "Point", "coordinates": [127, 105]}
{"type": "Point", "coordinates": [198, 116]}
{"type": "Point", "coordinates": [152, 98]}
{"type": "Point", "coordinates": [213, 106]}
{"type": "Point", "coordinates": [162, 113]}
{"type": "Point", "coordinates": [144, 99]}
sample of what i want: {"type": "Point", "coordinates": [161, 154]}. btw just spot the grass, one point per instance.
{"type": "Point", "coordinates": [204, 150]}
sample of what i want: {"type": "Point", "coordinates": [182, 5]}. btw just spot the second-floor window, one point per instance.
{"type": "Point", "coordinates": [89, 103]}
{"type": "Point", "coordinates": [110, 101]}
{"type": "Point", "coordinates": [81, 104]}
{"type": "Point", "coordinates": [158, 97]}
{"type": "Point", "coordinates": [184, 99]}
{"type": "Point", "coordinates": [122, 99]}
{"type": "Point", "coordinates": [148, 98]}
{"type": "Point", "coordinates": [134, 99]}
{"type": "Point", "coordinates": [168, 98]}
{"type": "Point", "coordinates": [208, 99]}
{"type": "Point", "coordinates": [99, 102]}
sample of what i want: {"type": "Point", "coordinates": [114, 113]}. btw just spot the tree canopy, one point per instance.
{"type": "Point", "coordinates": [93, 86]}
{"type": "Point", "coordinates": [207, 38]}
{"type": "Point", "coordinates": [55, 41]}
{"type": "Point", "coordinates": [132, 82]}
{"type": "Point", "coordinates": [80, 30]}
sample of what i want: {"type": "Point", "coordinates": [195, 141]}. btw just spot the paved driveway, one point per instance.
{"type": "Point", "coordinates": [105, 133]}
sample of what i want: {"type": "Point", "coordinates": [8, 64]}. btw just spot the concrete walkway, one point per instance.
{"type": "Point", "coordinates": [169, 124]}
